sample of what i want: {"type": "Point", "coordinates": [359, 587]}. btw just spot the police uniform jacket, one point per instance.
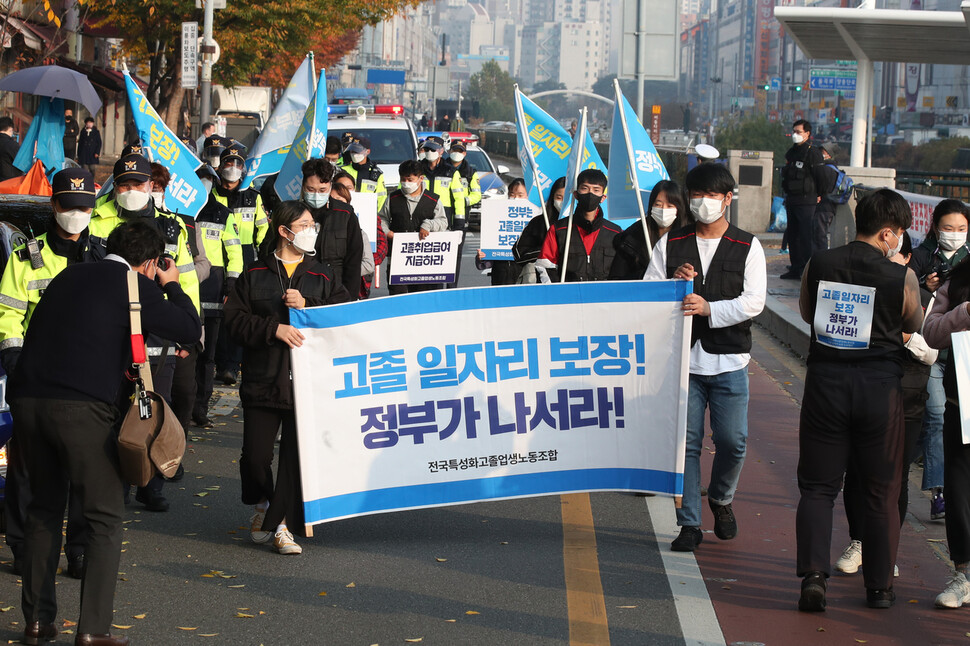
{"type": "Point", "coordinates": [255, 310]}
{"type": "Point", "coordinates": [221, 243]}
{"type": "Point", "coordinates": [248, 213]}
{"type": "Point", "coordinates": [445, 182]}
{"type": "Point", "coordinates": [368, 178]}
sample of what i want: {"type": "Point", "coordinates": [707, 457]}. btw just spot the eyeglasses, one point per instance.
{"type": "Point", "coordinates": [296, 228]}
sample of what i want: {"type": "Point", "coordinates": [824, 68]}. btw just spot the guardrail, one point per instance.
{"type": "Point", "coordinates": [943, 185]}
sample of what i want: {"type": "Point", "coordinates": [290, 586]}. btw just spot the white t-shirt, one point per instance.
{"type": "Point", "coordinates": [723, 313]}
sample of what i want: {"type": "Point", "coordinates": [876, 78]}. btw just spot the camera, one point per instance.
{"type": "Point", "coordinates": [942, 271]}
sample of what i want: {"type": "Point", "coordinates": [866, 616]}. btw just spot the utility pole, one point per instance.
{"type": "Point", "coordinates": [642, 23]}
{"type": "Point", "coordinates": [208, 49]}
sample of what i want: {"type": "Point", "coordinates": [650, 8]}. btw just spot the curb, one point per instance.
{"type": "Point", "coordinates": [784, 324]}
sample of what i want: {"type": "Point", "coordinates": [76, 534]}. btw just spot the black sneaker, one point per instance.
{"type": "Point", "coordinates": [880, 598]}
{"type": "Point", "coordinates": [228, 377]}
{"type": "Point", "coordinates": [813, 593]}
{"type": "Point", "coordinates": [153, 501]}
{"type": "Point", "coordinates": [75, 566]}
{"type": "Point", "coordinates": [791, 275]}
{"type": "Point", "coordinates": [725, 524]}
{"type": "Point", "coordinates": [689, 539]}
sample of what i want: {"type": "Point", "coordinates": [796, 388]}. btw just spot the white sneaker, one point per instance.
{"type": "Point", "coordinates": [956, 594]}
{"type": "Point", "coordinates": [285, 544]}
{"type": "Point", "coordinates": [256, 533]}
{"type": "Point", "coordinates": [851, 558]}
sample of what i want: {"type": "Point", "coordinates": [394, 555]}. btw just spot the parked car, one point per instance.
{"type": "Point", "coordinates": [392, 136]}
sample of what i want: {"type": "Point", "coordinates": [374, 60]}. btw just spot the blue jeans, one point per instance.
{"type": "Point", "coordinates": [727, 396]}
{"type": "Point", "coordinates": [932, 437]}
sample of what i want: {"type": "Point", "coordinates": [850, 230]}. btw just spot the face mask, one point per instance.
{"type": "Point", "coordinates": [706, 209]}
{"type": "Point", "coordinates": [89, 128]}
{"type": "Point", "coordinates": [664, 217]}
{"type": "Point", "coordinates": [952, 240]}
{"type": "Point", "coordinates": [797, 138]}
{"type": "Point", "coordinates": [214, 161]}
{"type": "Point", "coordinates": [432, 155]}
{"type": "Point", "coordinates": [410, 187]}
{"type": "Point", "coordinates": [357, 159]}
{"type": "Point", "coordinates": [133, 200]}
{"type": "Point", "coordinates": [158, 199]}
{"type": "Point", "coordinates": [586, 202]}
{"type": "Point", "coordinates": [899, 245]}
{"type": "Point", "coordinates": [421, 155]}
{"type": "Point", "coordinates": [457, 157]}
{"type": "Point", "coordinates": [557, 204]}
{"type": "Point", "coordinates": [316, 200]}
{"type": "Point", "coordinates": [74, 221]}
{"type": "Point", "coordinates": [231, 174]}
{"type": "Point", "coordinates": [305, 241]}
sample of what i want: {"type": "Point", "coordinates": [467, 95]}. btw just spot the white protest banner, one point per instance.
{"type": "Point", "coordinates": [960, 345]}
{"type": "Point", "coordinates": [444, 397]}
{"type": "Point", "coordinates": [424, 262]}
{"type": "Point", "coordinates": [502, 222]}
{"type": "Point", "coordinates": [843, 315]}
{"type": "Point", "coordinates": [365, 205]}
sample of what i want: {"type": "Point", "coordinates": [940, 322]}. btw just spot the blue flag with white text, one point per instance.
{"type": "Point", "coordinates": [631, 148]}
{"type": "Point", "coordinates": [310, 141]}
{"type": "Point", "coordinates": [269, 151]}
{"type": "Point", "coordinates": [185, 192]}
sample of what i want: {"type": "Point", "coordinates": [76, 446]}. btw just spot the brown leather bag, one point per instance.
{"type": "Point", "coordinates": [151, 438]}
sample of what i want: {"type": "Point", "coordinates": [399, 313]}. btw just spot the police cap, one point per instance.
{"type": "Point", "coordinates": [233, 151]}
{"type": "Point", "coordinates": [132, 167]}
{"type": "Point", "coordinates": [73, 188]}
{"type": "Point", "coordinates": [433, 143]}
{"type": "Point", "coordinates": [359, 146]}
{"type": "Point", "coordinates": [134, 148]}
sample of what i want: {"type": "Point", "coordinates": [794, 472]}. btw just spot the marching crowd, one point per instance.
{"type": "Point", "coordinates": [230, 276]}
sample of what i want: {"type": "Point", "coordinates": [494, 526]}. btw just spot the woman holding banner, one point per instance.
{"type": "Point", "coordinates": [529, 244]}
{"type": "Point", "coordinates": [257, 316]}
{"type": "Point", "coordinates": [667, 210]}
{"type": "Point", "coordinates": [505, 272]}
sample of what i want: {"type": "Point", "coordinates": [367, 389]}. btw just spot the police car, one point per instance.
{"type": "Point", "coordinates": [489, 176]}
{"type": "Point", "coordinates": [392, 136]}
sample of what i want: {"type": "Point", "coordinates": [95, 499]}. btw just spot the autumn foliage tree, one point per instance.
{"type": "Point", "coordinates": [258, 40]}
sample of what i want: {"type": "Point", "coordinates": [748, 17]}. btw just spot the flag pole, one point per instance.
{"type": "Point", "coordinates": [579, 140]}
{"type": "Point", "coordinates": [621, 108]}
{"type": "Point", "coordinates": [520, 119]}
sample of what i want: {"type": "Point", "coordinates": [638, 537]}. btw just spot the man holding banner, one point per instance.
{"type": "Point", "coordinates": [728, 268]}
{"type": "Point", "coordinates": [590, 254]}
{"type": "Point", "coordinates": [413, 208]}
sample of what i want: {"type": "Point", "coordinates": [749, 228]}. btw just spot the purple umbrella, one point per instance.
{"type": "Point", "coordinates": [56, 82]}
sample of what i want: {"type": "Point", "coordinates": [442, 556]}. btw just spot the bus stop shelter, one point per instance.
{"type": "Point", "coordinates": [868, 35]}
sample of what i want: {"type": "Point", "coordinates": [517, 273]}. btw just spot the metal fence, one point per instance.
{"type": "Point", "coordinates": [945, 185]}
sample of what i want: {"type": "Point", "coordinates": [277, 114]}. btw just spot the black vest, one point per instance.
{"type": "Point", "coordinates": [402, 220]}
{"type": "Point", "coordinates": [331, 244]}
{"type": "Point", "coordinates": [581, 266]}
{"type": "Point", "coordinates": [859, 263]}
{"type": "Point", "coordinates": [724, 281]}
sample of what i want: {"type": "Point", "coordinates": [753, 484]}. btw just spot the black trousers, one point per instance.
{"type": "Point", "coordinates": [205, 367]}
{"type": "Point", "coordinates": [71, 443]}
{"type": "Point", "coordinates": [850, 410]}
{"type": "Point", "coordinates": [17, 497]}
{"type": "Point", "coordinates": [956, 482]}
{"type": "Point", "coordinates": [184, 386]}
{"type": "Point", "coordinates": [260, 427]}
{"type": "Point", "coordinates": [801, 234]}
{"type": "Point", "coordinates": [914, 401]}
{"type": "Point", "coordinates": [228, 354]}
{"type": "Point", "coordinates": [824, 216]}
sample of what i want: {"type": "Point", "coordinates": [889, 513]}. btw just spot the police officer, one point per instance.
{"type": "Point", "coordinates": [366, 174]}
{"type": "Point", "coordinates": [469, 176]}
{"type": "Point", "coordinates": [340, 242]}
{"type": "Point", "coordinates": [129, 199]}
{"type": "Point", "coordinates": [443, 180]}
{"type": "Point", "coordinates": [859, 304]}
{"type": "Point", "coordinates": [221, 239]}
{"type": "Point", "coordinates": [30, 269]}
{"type": "Point", "coordinates": [212, 156]}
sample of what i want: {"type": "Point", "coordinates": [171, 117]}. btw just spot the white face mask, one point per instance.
{"type": "Point", "coordinates": [797, 138]}
{"type": "Point", "coordinates": [357, 158]}
{"type": "Point", "coordinates": [305, 240]}
{"type": "Point", "coordinates": [663, 217]}
{"type": "Point", "coordinates": [899, 245]}
{"type": "Point", "coordinates": [74, 221]}
{"type": "Point", "coordinates": [214, 161]}
{"type": "Point", "coordinates": [706, 209]}
{"type": "Point", "coordinates": [557, 204]}
{"type": "Point", "coordinates": [133, 200]}
{"type": "Point", "coordinates": [952, 240]}
{"type": "Point", "coordinates": [158, 198]}
{"type": "Point", "coordinates": [231, 174]}
{"type": "Point", "coordinates": [457, 157]}
{"type": "Point", "coordinates": [432, 155]}
{"type": "Point", "coordinates": [316, 200]}
{"type": "Point", "coordinates": [421, 155]}
{"type": "Point", "coordinates": [410, 187]}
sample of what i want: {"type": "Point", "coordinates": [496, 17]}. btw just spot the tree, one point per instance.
{"type": "Point", "coordinates": [254, 37]}
{"type": "Point", "coordinates": [754, 133]}
{"type": "Point", "coordinates": [494, 90]}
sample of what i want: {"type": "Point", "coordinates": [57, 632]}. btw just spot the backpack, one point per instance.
{"type": "Point", "coordinates": [842, 190]}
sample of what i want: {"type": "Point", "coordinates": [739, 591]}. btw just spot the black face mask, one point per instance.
{"type": "Point", "coordinates": [586, 202]}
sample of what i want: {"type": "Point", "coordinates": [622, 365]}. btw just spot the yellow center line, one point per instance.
{"type": "Point", "coordinates": [586, 606]}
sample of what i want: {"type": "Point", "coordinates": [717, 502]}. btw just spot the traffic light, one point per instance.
{"type": "Point", "coordinates": [838, 114]}
{"type": "Point", "coordinates": [767, 87]}
{"type": "Point", "coordinates": [798, 88]}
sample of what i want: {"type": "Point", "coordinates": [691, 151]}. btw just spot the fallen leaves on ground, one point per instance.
{"type": "Point", "coordinates": [440, 560]}
{"type": "Point", "coordinates": [244, 615]}
{"type": "Point", "coordinates": [187, 627]}
{"type": "Point", "coordinates": [472, 612]}
{"type": "Point", "coordinates": [141, 616]}
{"type": "Point", "coordinates": [351, 585]}
{"type": "Point", "coordinates": [120, 627]}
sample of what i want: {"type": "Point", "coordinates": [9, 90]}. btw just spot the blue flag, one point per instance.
{"type": "Point", "coordinates": [310, 141]}
{"type": "Point", "coordinates": [185, 192]}
{"type": "Point", "coordinates": [634, 160]}
{"type": "Point", "coordinates": [47, 131]}
{"type": "Point", "coordinates": [549, 147]}
{"type": "Point", "coordinates": [267, 155]}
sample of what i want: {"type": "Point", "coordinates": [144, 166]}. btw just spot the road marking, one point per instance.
{"type": "Point", "coordinates": [584, 590]}
{"type": "Point", "coordinates": [698, 622]}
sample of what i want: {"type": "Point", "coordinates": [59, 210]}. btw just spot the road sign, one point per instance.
{"type": "Point", "coordinates": [823, 78]}
{"type": "Point", "coordinates": [775, 84]}
{"type": "Point", "coordinates": [655, 124]}
{"type": "Point", "coordinates": [190, 55]}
